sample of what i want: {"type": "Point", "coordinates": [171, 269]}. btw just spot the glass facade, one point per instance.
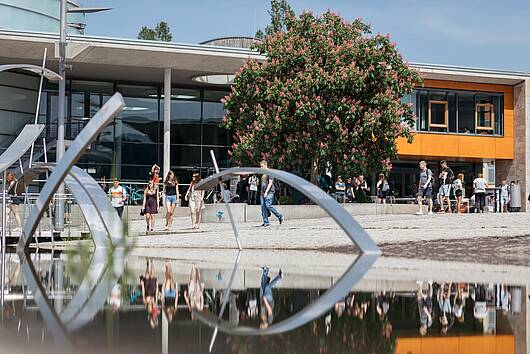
{"type": "Point", "coordinates": [458, 112]}
{"type": "Point", "coordinates": [133, 142]}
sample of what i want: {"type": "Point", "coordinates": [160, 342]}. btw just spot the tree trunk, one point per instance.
{"type": "Point", "coordinates": [314, 171]}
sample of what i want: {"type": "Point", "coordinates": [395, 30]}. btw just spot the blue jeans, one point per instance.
{"type": "Point", "coordinates": [266, 206]}
{"type": "Point", "coordinates": [265, 289]}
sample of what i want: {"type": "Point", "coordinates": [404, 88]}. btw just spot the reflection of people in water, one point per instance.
{"type": "Point", "coordinates": [382, 305]}
{"type": "Point", "coordinates": [458, 304]}
{"type": "Point", "coordinates": [115, 298]}
{"type": "Point", "coordinates": [266, 298]}
{"type": "Point", "coordinates": [194, 294]}
{"type": "Point", "coordinates": [424, 308]}
{"type": "Point", "coordinates": [150, 294]}
{"type": "Point", "coordinates": [170, 293]}
{"type": "Point", "coordinates": [446, 318]}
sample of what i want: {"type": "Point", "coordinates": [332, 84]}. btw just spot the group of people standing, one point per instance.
{"type": "Point", "coordinates": [354, 189]}
{"type": "Point", "coordinates": [449, 182]}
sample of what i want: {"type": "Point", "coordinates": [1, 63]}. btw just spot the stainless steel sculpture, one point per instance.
{"type": "Point", "coordinates": [107, 261]}
{"type": "Point", "coordinates": [113, 106]}
{"type": "Point", "coordinates": [369, 253]}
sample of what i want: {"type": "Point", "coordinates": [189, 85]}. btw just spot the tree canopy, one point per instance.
{"type": "Point", "coordinates": [328, 97]}
{"type": "Point", "coordinates": [161, 32]}
{"type": "Point", "coordinates": [279, 11]}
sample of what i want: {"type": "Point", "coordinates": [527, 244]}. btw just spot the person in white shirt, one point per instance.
{"type": "Point", "coordinates": [505, 196]}
{"type": "Point", "coordinates": [118, 196]}
{"type": "Point", "coordinates": [479, 188]}
{"type": "Point", "coordinates": [252, 190]}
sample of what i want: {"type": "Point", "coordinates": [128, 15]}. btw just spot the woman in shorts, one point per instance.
{"type": "Point", "coordinates": [171, 191]}
{"type": "Point", "coordinates": [459, 190]}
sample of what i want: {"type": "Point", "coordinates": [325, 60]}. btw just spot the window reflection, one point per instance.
{"type": "Point", "coordinates": [458, 111]}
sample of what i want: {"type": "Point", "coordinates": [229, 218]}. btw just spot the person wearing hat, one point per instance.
{"type": "Point", "coordinates": [196, 201]}
{"type": "Point", "coordinates": [118, 196]}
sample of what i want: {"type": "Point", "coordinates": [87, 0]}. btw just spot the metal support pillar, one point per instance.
{"type": "Point", "coordinates": [166, 166]}
{"type": "Point", "coordinates": [61, 99]}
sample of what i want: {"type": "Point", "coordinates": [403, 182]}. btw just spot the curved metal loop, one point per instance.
{"type": "Point", "coordinates": [109, 110]}
{"type": "Point", "coordinates": [22, 143]}
{"type": "Point", "coordinates": [47, 73]}
{"type": "Point", "coordinates": [369, 253]}
{"type": "Point", "coordinates": [352, 228]}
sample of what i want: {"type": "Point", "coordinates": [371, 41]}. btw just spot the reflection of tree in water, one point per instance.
{"type": "Point", "coordinates": [347, 334]}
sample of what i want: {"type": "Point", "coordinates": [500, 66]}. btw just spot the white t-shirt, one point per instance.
{"type": "Point", "coordinates": [117, 196]}
{"type": "Point", "coordinates": [253, 183]}
{"type": "Point", "coordinates": [479, 185]}
{"type": "Point", "coordinates": [458, 184]}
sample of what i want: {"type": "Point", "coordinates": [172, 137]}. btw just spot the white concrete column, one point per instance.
{"type": "Point", "coordinates": [167, 123]}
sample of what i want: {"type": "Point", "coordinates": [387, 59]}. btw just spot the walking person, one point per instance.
{"type": "Point", "coordinates": [252, 190]}
{"type": "Point", "coordinates": [150, 205]}
{"type": "Point", "coordinates": [14, 200]}
{"type": "Point", "coordinates": [479, 189]}
{"type": "Point", "coordinates": [458, 185]}
{"type": "Point", "coordinates": [446, 181]}
{"type": "Point", "coordinates": [362, 190]}
{"type": "Point", "coordinates": [194, 295]}
{"type": "Point", "coordinates": [267, 198]}
{"type": "Point", "coordinates": [505, 196]}
{"type": "Point", "coordinates": [154, 174]}
{"type": "Point", "coordinates": [118, 196]}
{"type": "Point", "coordinates": [266, 298]}
{"type": "Point", "coordinates": [425, 187]}
{"type": "Point", "coordinates": [171, 191]}
{"type": "Point", "coordinates": [196, 201]}
{"type": "Point", "coordinates": [382, 188]}
{"type": "Point", "coordinates": [170, 293]}
{"type": "Point", "coordinates": [150, 293]}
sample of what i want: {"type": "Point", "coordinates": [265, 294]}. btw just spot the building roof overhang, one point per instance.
{"type": "Point", "coordinates": [137, 60]}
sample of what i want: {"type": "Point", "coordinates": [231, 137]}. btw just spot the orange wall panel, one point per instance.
{"type": "Point", "coordinates": [467, 344]}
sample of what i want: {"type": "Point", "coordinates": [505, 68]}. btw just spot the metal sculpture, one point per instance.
{"type": "Point", "coordinates": [368, 248]}
{"type": "Point", "coordinates": [103, 221]}
{"type": "Point", "coordinates": [109, 110]}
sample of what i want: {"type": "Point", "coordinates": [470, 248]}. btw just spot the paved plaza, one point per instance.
{"type": "Point", "coordinates": [324, 233]}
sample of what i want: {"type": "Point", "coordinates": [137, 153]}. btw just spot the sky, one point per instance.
{"type": "Point", "coordinates": [489, 34]}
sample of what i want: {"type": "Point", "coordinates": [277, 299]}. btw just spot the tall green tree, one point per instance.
{"type": "Point", "coordinates": [161, 32]}
{"type": "Point", "coordinates": [328, 97]}
{"type": "Point", "coordinates": [279, 11]}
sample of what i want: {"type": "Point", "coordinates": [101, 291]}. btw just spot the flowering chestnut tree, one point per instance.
{"type": "Point", "coordinates": [328, 97]}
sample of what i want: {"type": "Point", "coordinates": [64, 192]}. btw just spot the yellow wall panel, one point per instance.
{"type": "Point", "coordinates": [439, 145]}
{"type": "Point", "coordinates": [408, 346]}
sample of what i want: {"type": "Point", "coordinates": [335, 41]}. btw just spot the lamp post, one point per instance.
{"type": "Point", "coordinates": [59, 206]}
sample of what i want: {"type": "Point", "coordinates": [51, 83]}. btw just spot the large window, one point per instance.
{"type": "Point", "coordinates": [130, 144]}
{"type": "Point", "coordinates": [462, 112]}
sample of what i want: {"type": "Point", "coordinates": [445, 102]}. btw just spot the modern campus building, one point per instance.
{"type": "Point", "coordinates": [475, 119]}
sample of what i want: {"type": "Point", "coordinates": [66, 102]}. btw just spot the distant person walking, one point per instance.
{"type": "Point", "coordinates": [14, 201]}
{"type": "Point", "coordinates": [459, 191]}
{"type": "Point", "coordinates": [118, 196]}
{"type": "Point", "coordinates": [425, 187]}
{"type": "Point", "coordinates": [446, 181]}
{"type": "Point", "coordinates": [150, 205]}
{"type": "Point", "coordinates": [252, 190]}
{"type": "Point", "coordinates": [479, 188]}
{"type": "Point", "coordinates": [267, 198]}
{"type": "Point", "coordinates": [382, 188]}
{"type": "Point", "coordinates": [154, 174]}
{"type": "Point", "coordinates": [171, 191]}
{"type": "Point", "coordinates": [196, 201]}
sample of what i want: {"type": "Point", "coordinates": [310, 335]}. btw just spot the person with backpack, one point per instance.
{"type": "Point", "coordinates": [425, 187]}
{"type": "Point", "coordinates": [446, 181]}
{"type": "Point", "coordinates": [382, 188]}
{"type": "Point", "coordinates": [267, 197]}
